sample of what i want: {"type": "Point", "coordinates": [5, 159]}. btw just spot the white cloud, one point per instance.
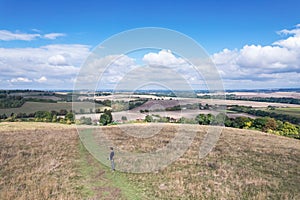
{"type": "Point", "coordinates": [175, 69]}
{"type": "Point", "coordinates": [162, 58]}
{"type": "Point", "coordinates": [105, 72]}
{"type": "Point", "coordinates": [59, 63]}
{"type": "Point", "coordinates": [20, 79]}
{"type": "Point", "coordinates": [53, 36]}
{"type": "Point", "coordinates": [123, 72]}
{"type": "Point", "coordinates": [256, 66]}
{"type": "Point", "coordinates": [57, 60]}
{"type": "Point", "coordinates": [252, 66]}
{"type": "Point", "coordinates": [36, 30]}
{"type": "Point", "coordinates": [41, 80]}
{"type": "Point", "coordinates": [292, 42]}
{"type": "Point", "coordinates": [8, 36]}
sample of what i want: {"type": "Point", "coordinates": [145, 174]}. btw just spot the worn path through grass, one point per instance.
{"type": "Point", "coordinates": [48, 161]}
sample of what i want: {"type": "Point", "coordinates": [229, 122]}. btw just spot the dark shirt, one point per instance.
{"type": "Point", "coordinates": [111, 156]}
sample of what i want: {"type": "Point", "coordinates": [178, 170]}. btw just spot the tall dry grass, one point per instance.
{"type": "Point", "coordinates": [244, 164]}
{"type": "Point", "coordinates": [38, 161]}
{"type": "Point", "coordinates": [41, 161]}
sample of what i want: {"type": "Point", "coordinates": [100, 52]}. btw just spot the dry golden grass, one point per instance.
{"type": "Point", "coordinates": [38, 161]}
{"type": "Point", "coordinates": [48, 161]}
{"type": "Point", "coordinates": [41, 161]}
{"type": "Point", "coordinates": [244, 165]}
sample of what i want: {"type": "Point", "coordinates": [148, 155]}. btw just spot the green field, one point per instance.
{"type": "Point", "coordinates": [31, 107]}
{"type": "Point", "coordinates": [295, 112]}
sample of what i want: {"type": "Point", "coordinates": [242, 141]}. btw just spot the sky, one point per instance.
{"type": "Point", "coordinates": [254, 44]}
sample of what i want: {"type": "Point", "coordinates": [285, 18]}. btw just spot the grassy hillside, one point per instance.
{"type": "Point", "coordinates": [47, 161]}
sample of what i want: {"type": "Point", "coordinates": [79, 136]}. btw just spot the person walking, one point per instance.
{"type": "Point", "coordinates": [111, 158]}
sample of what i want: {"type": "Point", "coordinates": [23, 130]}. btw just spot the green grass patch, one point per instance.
{"type": "Point", "coordinates": [32, 107]}
{"type": "Point", "coordinates": [101, 183]}
{"type": "Point", "coordinates": [288, 111]}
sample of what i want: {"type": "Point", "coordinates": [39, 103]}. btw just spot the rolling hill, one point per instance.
{"type": "Point", "coordinates": [48, 161]}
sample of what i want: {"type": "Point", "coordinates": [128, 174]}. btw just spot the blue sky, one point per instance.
{"type": "Point", "coordinates": [52, 27]}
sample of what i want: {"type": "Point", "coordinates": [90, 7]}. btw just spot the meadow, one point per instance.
{"type": "Point", "coordinates": [32, 107]}
{"type": "Point", "coordinates": [295, 112]}
{"type": "Point", "coordinates": [48, 161]}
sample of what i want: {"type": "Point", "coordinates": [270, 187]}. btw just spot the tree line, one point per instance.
{"type": "Point", "coordinates": [63, 116]}
{"type": "Point", "coordinates": [262, 113]}
{"type": "Point", "coordinates": [265, 124]}
{"type": "Point", "coordinates": [11, 101]}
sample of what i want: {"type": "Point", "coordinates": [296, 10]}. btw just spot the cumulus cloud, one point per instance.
{"type": "Point", "coordinates": [262, 66]}
{"type": "Point", "coordinates": [162, 58]}
{"type": "Point", "coordinates": [41, 80]}
{"type": "Point", "coordinates": [6, 35]}
{"type": "Point", "coordinates": [292, 42]}
{"type": "Point", "coordinates": [252, 66]}
{"type": "Point", "coordinates": [178, 68]}
{"type": "Point", "coordinates": [55, 65]}
{"type": "Point", "coordinates": [104, 72]}
{"type": "Point", "coordinates": [123, 72]}
{"type": "Point", "coordinates": [57, 60]}
{"type": "Point", "coordinates": [20, 79]}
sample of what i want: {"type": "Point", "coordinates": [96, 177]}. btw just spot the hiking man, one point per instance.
{"type": "Point", "coordinates": [111, 158]}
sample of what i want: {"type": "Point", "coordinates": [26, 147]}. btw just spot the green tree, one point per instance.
{"type": "Point", "coordinates": [39, 114]}
{"type": "Point", "coordinates": [54, 118]}
{"type": "Point", "coordinates": [259, 123]}
{"type": "Point", "coordinates": [3, 116]}
{"type": "Point", "coordinates": [228, 122]}
{"type": "Point", "coordinates": [47, 117]}
{"type": "Point", "coordinates": [70, 116]}
{"type": "Point", "coordinates": [108, 112]}
{"type": "Point", "coordinates": [184, 120]}
{"type": "Point", "coordinates": [85, 120]}
{"type": "Point", "coordinates": [201, 119]}
{"type": "Point", "coordinates": [279, 125]}
{"type": "Point", "coordinates": [241, 122]}
{"type": "Point", "coordinates": [63, 112]}
{"type": "Point", "coordinates": [289, 129]}
{"type": "Point", "coordinates": [219, 119]}
{"type": "Point", "coordinates": [104, 119]}
{"type": "Point", "coordinates": [149, 118]}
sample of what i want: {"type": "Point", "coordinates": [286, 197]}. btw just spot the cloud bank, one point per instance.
{"type": "Point", "coordinates": [50, 66]}
{"type": "Point", "coordinates": [255, 66]}
{"type": "Point", "coordinates": [56, 66]}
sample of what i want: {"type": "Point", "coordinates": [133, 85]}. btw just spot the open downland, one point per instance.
{"type": "Point", "coordinates": [47, 161]}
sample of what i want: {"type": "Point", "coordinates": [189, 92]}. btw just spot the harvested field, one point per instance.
{"type": "Point", "coordinates": [295, 95]}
